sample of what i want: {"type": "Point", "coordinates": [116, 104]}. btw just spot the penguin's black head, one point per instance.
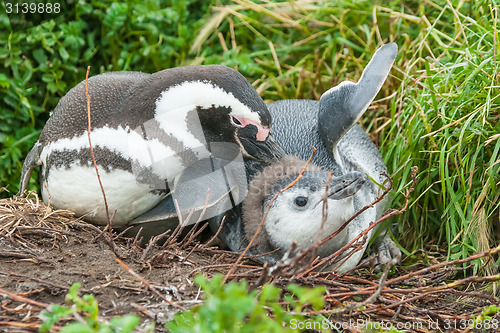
{"type": "Point", "coordinates": [255, 139]}
{"type": "Point", "coordinates": [212, 103]}
{"type": "Point", "coordinates": [240, 116]}
{"type": "Point", "coordinates": [220, 124]}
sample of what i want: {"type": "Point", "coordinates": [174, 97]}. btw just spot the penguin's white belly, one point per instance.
{"type": "Point", "coordinates": [146, 164]}
{"type": "Point", "coordinates": [77, 188]}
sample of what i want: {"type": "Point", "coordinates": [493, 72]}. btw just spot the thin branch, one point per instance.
{"type": "Point", "coordinates": [92, 149]}
{"type": "Point", "coordinates": [148, 285]}
{"type": "Point", "coordinates": [22, 298]}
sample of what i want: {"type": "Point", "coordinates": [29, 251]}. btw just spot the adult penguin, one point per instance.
{"type": "Point", "coordinates": [343, 147]}
{"type": "Point", "coordinates": [148, 131]}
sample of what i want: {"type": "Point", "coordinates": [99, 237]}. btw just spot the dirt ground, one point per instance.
{"type": "Point", "coordinates": [43, 252]}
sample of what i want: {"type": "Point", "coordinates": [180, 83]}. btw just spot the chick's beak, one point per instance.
{"type": "Point", "coordinates": [346, 185]}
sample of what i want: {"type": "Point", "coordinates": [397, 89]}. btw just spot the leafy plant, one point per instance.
{"type": "Point", "coordinates": [41, 64]}
{"type": "Point", "coordinates": [484, 321]}
{"type": "Point", "coordinates": [231, 308]}
{"type": "Point", "coordinates": [90, 321]}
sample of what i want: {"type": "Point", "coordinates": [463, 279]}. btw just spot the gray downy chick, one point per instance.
{"type": "Point", "coordinates": [296, 214]}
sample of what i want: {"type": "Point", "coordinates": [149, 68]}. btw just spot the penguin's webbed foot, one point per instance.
{"type": "Point", "coordinates": [387, 252]}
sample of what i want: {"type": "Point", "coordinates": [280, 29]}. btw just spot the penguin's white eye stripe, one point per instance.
{"type": "Point", "coordinates": [174, 105]}
{"type": "Point", "coordinates": [190, 94]}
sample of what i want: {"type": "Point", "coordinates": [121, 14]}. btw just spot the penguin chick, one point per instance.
{"type": "Point", "coordinates": [296, 214]}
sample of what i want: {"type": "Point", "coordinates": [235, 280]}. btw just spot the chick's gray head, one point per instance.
{"type": "Point", "coordinates": [296, 214]}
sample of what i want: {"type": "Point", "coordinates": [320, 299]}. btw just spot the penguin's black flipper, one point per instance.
{"type": "Point", "coordinates": [341, 106]}
{"type": "Point", "coordinates": [156, 221]}
{"type": "Point", "coordinates": [164, 216]}
{"type": "Point", "coordinates": [210, 186]}
{"type": "Point", "coordinates": [163, 211]}
{"type": "Point", "coordinates": [191, 208]}
{"type": "Point", "coordinates": [30, 163]}
{"type": "Point", "coordinates": [191, 191]}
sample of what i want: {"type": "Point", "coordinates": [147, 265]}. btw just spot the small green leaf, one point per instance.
{"type": "Point", "coordinates": [40, 56]}
{"type": "Point", "coordinates": [125, 324]}
{"type": "Point", "coordinates": [64, 54]}
{"type": "Point", "coordinates": [4, 81]}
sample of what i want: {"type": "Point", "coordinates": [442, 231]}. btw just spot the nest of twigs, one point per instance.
{"type": "Point", "coordinates": [44, 251]}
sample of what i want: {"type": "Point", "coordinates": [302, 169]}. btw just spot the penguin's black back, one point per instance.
{"type": "Point", "coordinates": [121, 99]}
{"type": "Point", "coordinates": [295, 129]}
{"type": "Point", "coordinates": [106, 91]}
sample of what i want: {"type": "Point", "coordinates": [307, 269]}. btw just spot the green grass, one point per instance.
{"type": "Point", "coordinates": [444, 119]}
{"type": "Point", "coordinates": [439, 109]}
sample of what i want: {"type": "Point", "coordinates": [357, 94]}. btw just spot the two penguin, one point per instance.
{"type": "Point", "coordinates": [153, 134]}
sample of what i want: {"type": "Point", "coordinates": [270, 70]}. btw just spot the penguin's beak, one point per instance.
{"type": "Point", "coordinates": [266, 151]}
{"type": "Point", "coordinates": [346, 185]}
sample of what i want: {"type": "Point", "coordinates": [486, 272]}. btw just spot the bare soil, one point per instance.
{"type": "Point", "coordinates": [43, 252]}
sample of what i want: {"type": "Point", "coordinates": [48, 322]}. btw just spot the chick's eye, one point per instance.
{"type": "Point", "coordinates": [235, 121]}
{"type": "Point", "coordinates": [301, 201]}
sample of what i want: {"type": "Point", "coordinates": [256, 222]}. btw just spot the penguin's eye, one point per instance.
{"type": "Point", "coordinates": [236, 121]}
{"type": "Point", "coordinates": [301, 201]}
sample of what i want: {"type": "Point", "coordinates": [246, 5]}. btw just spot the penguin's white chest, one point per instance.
{"type": "Point", "coordinates": [134, 171]}
{"type": "Point", "coordinates": [77, 188]}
